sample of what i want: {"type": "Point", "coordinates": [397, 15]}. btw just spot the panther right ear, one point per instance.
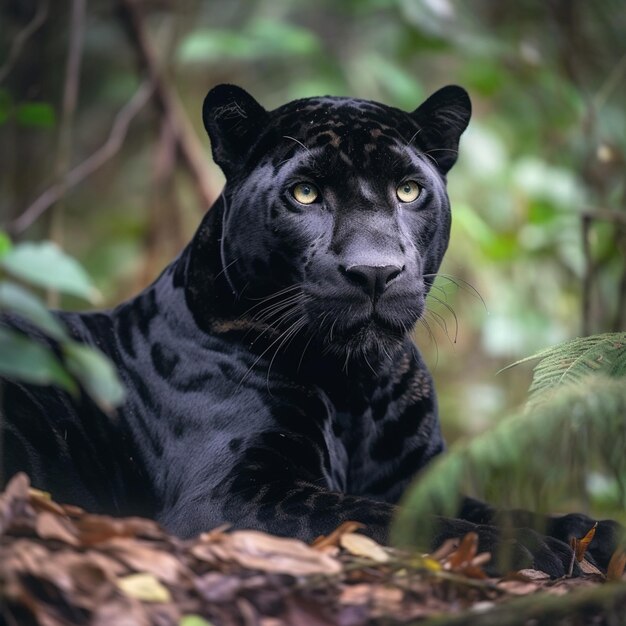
{"type": "Point", "coordinates": [442, 119]}
{"type": "Point", "coordinates": [233, 119]}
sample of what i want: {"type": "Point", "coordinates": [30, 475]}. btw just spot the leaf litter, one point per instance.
{"type": "Point", "coordinates": [60, 565]}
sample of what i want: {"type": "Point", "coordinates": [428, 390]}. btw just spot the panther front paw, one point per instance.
{"type": "Point", "coordinates": [515, 549]}
{"type": "Point", "coordinates": [608, 537]}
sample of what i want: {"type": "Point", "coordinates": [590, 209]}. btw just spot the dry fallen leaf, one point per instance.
{"type": "Point", "coordinates": [13, 501]}
{"type": "Point", "coordinates": [465, 559]}
{"type": "Point", "coordinates": [193, 620]}
{"type": "Point", "coordinates": [95, 529]}
{"type": "Point", "coordinates": [332, 540]}
{"type": "Point", "coordinates": [58, 562]}
{"type": "Point", "coordinates": [256, 550]}
{"type": "Point", "coordinates": [446, 549]}
{"type": "Point", "coordinates": [580, 545]}
{"type": "Point", "coordinates": [142, 557]}
{"type": "Point", "coordinates": [617, 564]}
{"type": "Point", "coordinates": [589, 568]}
{"type": "Point", "coordinates": [464, 554]}
{"type": "Point", "coordinates": [360, 545]}
{"type": "Point", "coordinates": [51, 526]}
{"type": "Point", "coordinates": [528, 575]}
{"type": "Point", "coordinates": [144, 587]}
{"type": "Point", "coordinates": [367, 594]}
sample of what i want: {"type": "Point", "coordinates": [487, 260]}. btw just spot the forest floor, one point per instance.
{"type": "Point", "coordinates": [60, 565]}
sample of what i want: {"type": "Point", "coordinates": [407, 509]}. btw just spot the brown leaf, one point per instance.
{"type": "Point", "coordinates": [215, 587]}
{"type": "Point", "coordinates": [519, 587]}
{"type": "Point", "coordinates": [528, 575]}
{"type": "Point", "coordinates": [42, 501]}
{"type": "Point", "coordinates": [464, 553]}
{"type": "Point", "coordinates": [378, 595]}
{"type": "Point", "coordinates": [446, 549]}
{"type": "Point", "coordinates": [590, 568]}
{"type": "Point", "coordinates": [143, 557]}
{"type": "Point", "coordinates": [95, 529]}
{"type": "Point", "coordinates": [113, 568]}
{"type": "Point", "coordinates": [360, 545]}
{"type": "Point", "coordinates": [256, 550]}
{"type": "Point", "coordinates": [14, 501]}
{"type": "Point", "coordinates": [580, 545]}
{"type": "Point", "coordinates": [325, 541]}
{"type": "Point", "coordinates": [617, 564]}
{"type": "Point", "coordinates": [51, 526]}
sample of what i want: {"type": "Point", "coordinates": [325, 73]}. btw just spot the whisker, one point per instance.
{"type": "Point", "coordinates": [308, 343]}
{"type": "Point", "coordinates": [300, 144]}
{"type": "Point", "coordinates": [287, 336]}
{"type": "Point", "coordinates": [259, 358]}
{"type": "Point", "coordinates": [276, 307]}
{"type": "Point", "coordinates": [283, 316]}
{"type": "Point", "coordinates": [451, 310]}
{"type": "Point", "coordinates": [280, 292]}
{"type": "Point", "coordinates": [441, 150]}
{"type": "Point", "coordinates": [415, 134]}
{"type": "Point", "coordinates": [440, 321]}
{"type": "Point", "coordinates": [223, 270]}
{"type": "Point", "coordinates": [461, 283]}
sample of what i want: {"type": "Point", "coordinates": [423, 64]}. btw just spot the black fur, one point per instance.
{"type": "Point", "coordinates": [272, 382]}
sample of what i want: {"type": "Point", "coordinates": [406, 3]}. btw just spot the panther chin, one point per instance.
{"type": "Point", "coordinates": [371, 341]}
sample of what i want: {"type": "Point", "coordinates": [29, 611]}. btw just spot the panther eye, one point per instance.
{"type": "Point", "coordinates": [305, 193]}
{"type": "Point", "coordinates": [408, 191]}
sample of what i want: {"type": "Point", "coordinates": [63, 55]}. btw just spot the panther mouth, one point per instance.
{"type": "Point", "coordinates": [372, 336]}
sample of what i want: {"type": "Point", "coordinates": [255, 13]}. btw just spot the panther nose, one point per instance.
{"type": "Point", "coordinates": [371, 278]}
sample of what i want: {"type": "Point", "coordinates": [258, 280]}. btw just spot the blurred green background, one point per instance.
{"type": "Point", "coordinates": [538, 249]}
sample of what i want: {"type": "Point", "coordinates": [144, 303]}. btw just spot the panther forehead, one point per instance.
{"type": "Point", "coordinates": [354, 128]}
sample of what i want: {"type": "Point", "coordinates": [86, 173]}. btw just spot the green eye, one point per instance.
{"type": "Point", "coordinates": [305, 193]}
{"type": "Point", "coordinates": [408, 191]}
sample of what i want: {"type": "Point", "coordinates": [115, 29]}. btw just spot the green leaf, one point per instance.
{"type": "Point", "coordinates": [277, 37]}
{"type": "Point", "coordinates": [95, 373]}
{"type": "Point", "coordinates": [568, 363]}
{"type": "Point", "coordinates": [204, 45]}
{"type": "Point", "coordinates": [16, 299]}
{"type": "Point", "coordinates": [46, 265]}
{"type": "Point", "coordinates": [193, 620]}
{"type": "Point", "coordinates": [36, 114]}
{"type": "Point", "coordinates": [259, 39]}
{"type": "Point", "coordinates": [536, 460]}
{"type": "Point", "coordinates": [5, 244]}
{"type": "Point", "coordinates": [23, 359]}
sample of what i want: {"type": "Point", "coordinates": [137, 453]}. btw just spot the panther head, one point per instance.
{"type": "Point", "coordinates": [336, 214]}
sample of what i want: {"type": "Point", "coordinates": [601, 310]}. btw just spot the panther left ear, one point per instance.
{"type": "Point", "coordinates": [233, 119]}
{"type": "Point", "coordinates": [442, 120]}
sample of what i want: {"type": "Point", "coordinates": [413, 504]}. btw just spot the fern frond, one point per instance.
{"type": "Point", "coordinates": [570, 362]}
{"type": "Point", "coordinates": [538, 460]}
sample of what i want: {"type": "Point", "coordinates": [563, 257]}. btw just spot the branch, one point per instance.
{"type": "Point", "coordinates": [587, 282]}
{"type": "Point", "coordinates": [70, 98]}
{"type": "Point", "coordinates": [606, 215]}
{"type": "Point", "coordinates": [92, 163]}
{"type": "Point", "coordinates": [22, 37]}
{"type": "Point", "coordinates": [166, 99]}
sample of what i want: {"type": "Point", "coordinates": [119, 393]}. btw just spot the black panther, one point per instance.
{"type": "Point", "coordinates": [271, 378]}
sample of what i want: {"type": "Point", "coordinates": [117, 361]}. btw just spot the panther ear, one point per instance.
{"type": "Point", "coordinates": [442, 120]}
{"type": "Point", "coordinates": [233, 119]}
